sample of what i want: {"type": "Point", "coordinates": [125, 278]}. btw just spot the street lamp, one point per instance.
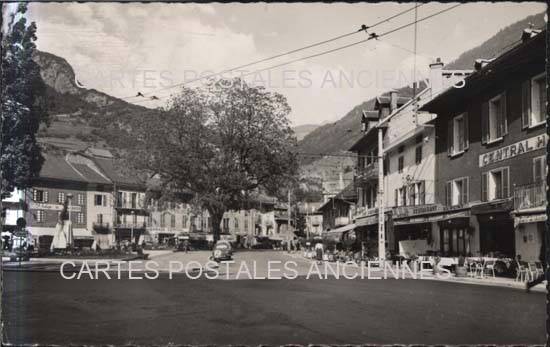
{"type": "Point", "coordinates": [132, 228]}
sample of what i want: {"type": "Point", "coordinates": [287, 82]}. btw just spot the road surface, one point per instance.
{"type": "Point", "coordinates": [41, 307]}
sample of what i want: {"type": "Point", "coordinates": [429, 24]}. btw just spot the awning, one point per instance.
{"type": "Point", "coordinates": [336, 234]}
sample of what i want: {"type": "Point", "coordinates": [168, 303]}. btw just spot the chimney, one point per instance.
{"type": "Point", "coordinates": [393, 101]}
{"type": "Point", "coordinates": [436, 77]}
{"type": "Point", "coordinates": [480, 63]}
{"type": "Point", "coordinates": [528, 33]}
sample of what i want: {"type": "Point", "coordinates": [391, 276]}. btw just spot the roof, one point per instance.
{"type": "Point", "coordinates": [98, 152]}
{"type": "Point", "coordinates": [56, 167]}
{"type": "Point", "coordinates": [385, 99]}
{"type": "Point", "coordinates": [110, 169]}
{"type": "Point", "coordinates": [525, 55]}
{"type": "Point", "coordinates": [89, 174]}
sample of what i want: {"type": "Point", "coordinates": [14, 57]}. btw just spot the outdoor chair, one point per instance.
{"type": "Point", "coordinates": [476, 268]}
{"type": "Point", "coordinates": [489, 266]}
{"type": "Point", "coordinates": [532, 270]}
{"type": "Point", "coordinates": [539, 267]}
{"type": "Point", "coordinates": [522, 274]}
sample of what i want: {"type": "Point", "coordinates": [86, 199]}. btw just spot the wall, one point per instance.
{"type": "Point", "coordinates": [467, 164]}
{"type": "Point", "coordinates": [528, 240]}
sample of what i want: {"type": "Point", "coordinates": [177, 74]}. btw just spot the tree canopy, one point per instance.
{"type": "Point", "coordinates": [23, 103]}
{"type": "Point", "coordinates": [222, 142]}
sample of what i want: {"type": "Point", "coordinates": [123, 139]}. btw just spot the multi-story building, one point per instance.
{"type": "Point", "coordinates": [337, 213]}
{"type": "Point", "coordinates": [409, 160]}
{"type": "Point", "coordinates": [60, 180]}
{"type": "Point", "coordinates": [14, 206]}
{"type": "Point", "coordinates": [365, 216]}
{"type": "Point", "coordinates": [490, 156]}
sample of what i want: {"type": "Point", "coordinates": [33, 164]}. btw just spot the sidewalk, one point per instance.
{"type": "Point", "coordinates": [485, 281]}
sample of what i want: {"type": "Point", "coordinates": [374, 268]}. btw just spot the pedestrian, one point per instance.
{"type": "Point", "coordinates": [319, 252]}
{"type": "Point", "coordinates": [542, 277]}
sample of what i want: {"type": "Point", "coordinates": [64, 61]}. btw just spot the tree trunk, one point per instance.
{"type": "Point", "coordinates": [217, 217]}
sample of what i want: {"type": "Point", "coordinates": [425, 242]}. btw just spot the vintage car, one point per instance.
{"type": "Point", "coordinates": [222, 251]}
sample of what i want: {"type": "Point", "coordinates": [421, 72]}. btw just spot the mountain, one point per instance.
{"type": "Point", "coordinates": [80, 117]}
{"type": "Point", "coordinates": [302, 130]}
{"type": "Point", "coordinates": [337, 137]}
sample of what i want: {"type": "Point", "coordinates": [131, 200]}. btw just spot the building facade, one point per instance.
{"type": "Point", "coordinates": [490, 156]}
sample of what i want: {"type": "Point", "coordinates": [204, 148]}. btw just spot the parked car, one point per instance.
{"type": "Point", "coordinates": [222, 251]}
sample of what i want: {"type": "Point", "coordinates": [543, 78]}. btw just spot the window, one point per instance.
{"type": "Point", "coordinates": [134, 219]}
{"type": "Point", "coordinates": [173, 221]}
{"type": "Point", "coordinates": [494, 124]}
{"type": "Point", "coordinates": [39, 216]}
{"type": "Point", "coordinates": [60, 198]}
{"type": "Point", "coordinates": [457, 192]}
{"type": "Point", "coordinates": [539, 169]}
{"type": "Point", "coordinates": [418, 154]}
{"type": "Point", "coordinates": [80, 218]}
{"type": "Point", "coordinates": [533, 101]}
{"type": "Point", "coordinates": [412, 194]}
{"type": "Point", "coordinates": [421, 193]}
{"type": "Point", "coordinates": [80, 199]}
{"type": "Point", "coordinates": [457, 134]}
{"type": "Point", "coordinates": [184, 222]}
{"type": "Point", "coordinates": [99, 200]}
{"type": "Point", "coordinates": [40, 195]}
{"type": "Point", "coordinates": [162, 220]}
{"type": "Point", "coordinates": [99, 218]}
{"type": "Point", "coordinates": [386, 165]}
{"type": "Point", "coordinates": [246, 224]}
{"type": "Point", "coordinates": [495, 184]}
{"type": "Point", "coordinates": [403, 196]}
{"type": "Point", "coordinates": [134, 200]}
{"type": "Point", "coordinates": [236, 223]}
{"type": "Point", "coordinates": [58, 215]}
{"type": "Point", "coordinates": [400, 164]}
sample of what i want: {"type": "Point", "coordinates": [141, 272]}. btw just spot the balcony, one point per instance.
{"type": "Point", "coordinates": [366, 174]}
{"type": "Point", "coordinates": [364, 211]}
{"type": "Point", "coordinates": [530, 196]}
{"type": "Point", "coordinates": [101, 228]}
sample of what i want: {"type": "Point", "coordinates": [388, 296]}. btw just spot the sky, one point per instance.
{"type": "Point", "coordinates": [123, 49]}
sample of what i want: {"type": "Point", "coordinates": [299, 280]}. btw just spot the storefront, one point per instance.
{"type": "Point", "coordinates": [529, 234]}
{"type": "Point", "coordinates": [496, 229]}
{"type": "Point", "coordinates": [455, 235]}
{"type": "Point", "coordinates": [366, 231]}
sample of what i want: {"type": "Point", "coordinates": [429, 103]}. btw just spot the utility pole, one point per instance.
{"type": "Point", "coordinates": [381, 229]}
{"type": "Point", "coordinates": [288, 230]}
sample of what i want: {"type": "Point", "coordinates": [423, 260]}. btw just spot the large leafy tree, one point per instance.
{"type": "Point", "coordinates": [23, 102]}
{"type": "Point", "coordinates": [223, 143]}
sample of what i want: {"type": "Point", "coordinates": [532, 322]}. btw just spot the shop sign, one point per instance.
{"type": "Point", "coordinates": [52, 207]}
{"type": "Point", "coordinates": [535, 218]}
{"type": "Point", "coordinates": [410, 211]}
{"type": "Point", "coordinates": [513, 150]}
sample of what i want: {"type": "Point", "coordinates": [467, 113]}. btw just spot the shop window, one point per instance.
{"type": "Point", "coordinates": [457, 192]}
{"type": "Point", "coordinates": [495, 184]}
{"type": "Point", "coordinates": [534, 101]}
{"type": "Point", "coordinates": [60, 198]}
{"type": "Point", "coordinates": [457, 135]}
{"type": "Point", "coordinates": [539, 169]}
{"type": "Point", "coordinates": [494, 124]}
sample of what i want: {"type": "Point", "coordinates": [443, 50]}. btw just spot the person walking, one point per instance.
{"type": "Point", "coordinates": [319, 252]}
{"type": "Point", "coordinates": [542, 277]}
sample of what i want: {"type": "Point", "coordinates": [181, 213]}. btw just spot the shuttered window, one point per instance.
{"type": "Point", "coordinates": [457, 192]}
{"type": "Point", "coordinates": [539, 169]}
{"type": "Point", "coordinates": [421, 193]}
{"type": "Point", "coordinates": [526, 104]}
{"type": "Point", "coordinates": [457, 134]}
{"type": "Point", "coordinates": [494, 119]}
{"type": "Point", "coordinates": [484, 187]}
